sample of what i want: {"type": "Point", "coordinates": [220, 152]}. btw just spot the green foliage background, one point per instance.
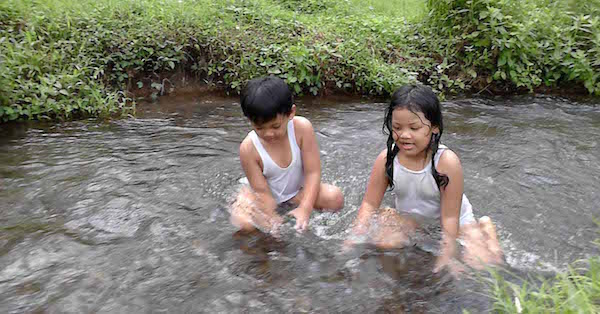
{"type": "Point", "coordinates": [66, 58]}
{"type": "Point", "coordinates": [524, 43]}
{"type": "Point", "coordinates": [577, 290]}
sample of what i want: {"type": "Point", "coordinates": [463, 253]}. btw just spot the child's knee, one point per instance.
{"type": "Point", "coordinates": [241, 220]}
{"type": "Point", "coordinates": [336, 198]}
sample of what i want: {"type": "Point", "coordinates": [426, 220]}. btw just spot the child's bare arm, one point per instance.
{"type": "Point", "coordinates": [311, 163]}
{"type": "Point", "coordinates": [250, 159]}
{"type": "Point", "coordinates": [375, 190]}
{"type": "Point", "coordinates": [451, 200]}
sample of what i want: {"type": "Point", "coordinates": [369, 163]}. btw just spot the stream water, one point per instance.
{"type": "Point", "coordinates": [131, 215]}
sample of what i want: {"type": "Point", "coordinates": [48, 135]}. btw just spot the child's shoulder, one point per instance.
{"type": "Point", "coordinates": [448, 160]}
{"type": "Point", "coordinates": [381, 158]}
{"type": "Point", "coordinates": [301, 122]}
{"type": "Point", "coordinates": [247, 147]}
{"type": "Point", "coordinates": [302, 127]}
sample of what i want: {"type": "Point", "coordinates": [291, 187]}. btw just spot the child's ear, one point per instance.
{"type": "Point", "coordinates": [435, 130]}
{"type": "Point", "coordinates": [292, 112]}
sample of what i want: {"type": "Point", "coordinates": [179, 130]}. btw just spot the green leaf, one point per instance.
{"type": "Point", "coordinates": [157, 86]}
{"type": "Point", "coordinates": [472, 73]}
{"type": "Point", "coordinates": [140, 84]}
{"type": "Point", "coordinates": [172, 64]}
{"type": "Point", "coordinates": [484, 42]}
{"type": "Point", "coordinates": [502, 59]}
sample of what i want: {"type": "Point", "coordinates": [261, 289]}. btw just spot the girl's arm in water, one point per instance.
{"type": "Point", "coordinates": [451, 200]}
{"type": "Point", "coordinates": [250, 160]}
{"type": "Point", "coordinates": [376, 187]}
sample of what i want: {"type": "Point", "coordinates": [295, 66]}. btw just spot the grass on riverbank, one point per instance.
{"type": "Point", "coordinates": [412, 10]}
{"type": "Point", "coordinates": [65, 58]}
{"type": "Point", "coordinates": [575, 291]}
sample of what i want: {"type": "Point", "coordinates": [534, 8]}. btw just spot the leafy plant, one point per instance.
{"type": "Point", "coordinates": [68, 58]}
{"type": "Point", "coordinates": [526, 43]}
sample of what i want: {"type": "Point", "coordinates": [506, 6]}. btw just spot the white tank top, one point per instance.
{"type": "Point", "coordinates": [417, 193]}
{"type": "Point", "coordinates": [283, 182]}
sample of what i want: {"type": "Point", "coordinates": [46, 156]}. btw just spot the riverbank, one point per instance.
{"type": "Point", "coordinates": [576, 290]}
{"type": "Point", "coordinates": [61, 59]}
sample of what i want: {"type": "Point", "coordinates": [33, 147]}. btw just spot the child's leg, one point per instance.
{"type": "Point", "coordinates": [330, 198]}
{"type": "Point", "coordinates": [492, 243]}
{"type": "Point", "coordinates": [391, 229]}
{"type": "Point", "coordinates": [481, 244]}
{"type": "Point", "coordinates": [247, 214]}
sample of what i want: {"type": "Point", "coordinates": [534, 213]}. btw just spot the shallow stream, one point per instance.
{"type": "Point", "coordinates": [130, 215]}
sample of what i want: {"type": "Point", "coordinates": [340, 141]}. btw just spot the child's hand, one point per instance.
{"type": "Point", "coordinates": [274, 225]}
{"type": "Point", "coordinates": [302, 216]}
{"type": "Point", "coordinates": [358, 234]}
{"type": "Point", "coordinates": [454, 267]}
{"type": "Point", "coordinates": [446, 258]}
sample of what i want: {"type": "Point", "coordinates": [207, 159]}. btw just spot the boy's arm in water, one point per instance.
{"type": "Point", "coordinates": [311, 164]}
{"type": "Point", "coordinates": [451, 200]}
{"type": "Point", "coordinates": [250, 160]}
{"type": "Point", "coordinates": [376, 187]}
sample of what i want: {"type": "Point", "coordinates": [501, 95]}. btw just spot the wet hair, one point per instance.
{"type": "Point", "coordinates": [416, 98]}
{"type": "Point", "coordinates": [264, 98]}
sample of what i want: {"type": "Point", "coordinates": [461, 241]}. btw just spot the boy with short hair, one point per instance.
{"type": "Point", "coordinates": [280, 158]}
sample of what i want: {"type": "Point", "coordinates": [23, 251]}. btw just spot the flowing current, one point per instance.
{"type": "Point", "coordinates": [131, 215]}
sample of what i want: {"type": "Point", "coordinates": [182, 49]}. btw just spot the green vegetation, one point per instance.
{"type": "Point", "coordinates": [412, 10]}
{"type": "Point", "coordinates": [67, 58]}
{"type": "Point", "coordinates": [71, 58]}
{"type": "Point", "coordinates": [575, 291]}
{"type": "Point", "coordinates": [524, 43]}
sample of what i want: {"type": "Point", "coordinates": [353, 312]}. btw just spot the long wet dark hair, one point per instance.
{"type": "Point", "coordinates": [416, 98]}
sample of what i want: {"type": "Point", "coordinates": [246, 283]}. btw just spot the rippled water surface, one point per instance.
{"type": "Point", "coordinates": [131, 215]}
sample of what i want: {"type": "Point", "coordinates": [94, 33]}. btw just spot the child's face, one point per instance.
{"type": "Point", "coordinates": [274, 130]}
{"type": "Point", "coordinates": [411, 131]}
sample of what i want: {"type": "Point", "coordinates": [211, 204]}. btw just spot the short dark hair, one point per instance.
{"type": "Point", "coordinates": [264, 98]}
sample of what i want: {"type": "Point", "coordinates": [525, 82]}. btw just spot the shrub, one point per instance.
{"type": "Point", "coordinates": [526, 43]}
